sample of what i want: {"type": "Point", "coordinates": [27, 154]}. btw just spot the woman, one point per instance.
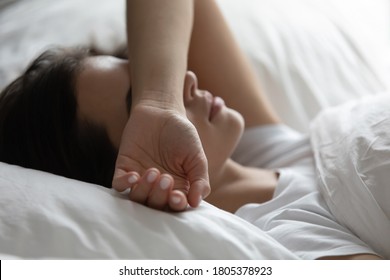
{"type": "Point", "coordinates": [67, 114]}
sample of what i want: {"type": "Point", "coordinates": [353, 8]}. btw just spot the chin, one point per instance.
{"type": "Point", "coordinates": [221, 146]}
{"type": "Point", "coordinates": [237, 126]}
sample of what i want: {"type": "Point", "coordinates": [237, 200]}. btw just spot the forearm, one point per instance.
{"type": "Point", "coordinates": [158, 41]}
{"type": "Point", "coordinates": [222, 68]}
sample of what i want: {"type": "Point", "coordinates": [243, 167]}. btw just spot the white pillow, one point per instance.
{"type": "Point", "coordinates": [351, 145]}
{"type": "Point", "coordinates": [48, 216]}
{"type": "Point", "coordinates": [29, 27]}
{"type": "Point", "coordinates": [5, 3]}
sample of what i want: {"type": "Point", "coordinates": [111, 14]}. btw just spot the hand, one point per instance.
{"type": "Point", "coordinates": [156, 191]}
{"type": "Point", "coordinates": [167, 141]}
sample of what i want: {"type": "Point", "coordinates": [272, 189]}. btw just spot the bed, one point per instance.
{"type": "Point", "coordinates": [310, 55]}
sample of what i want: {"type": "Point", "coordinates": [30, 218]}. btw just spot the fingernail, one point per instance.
{"type": "Point", "coordinates": [200, 199]}
{"type": "Point", "coordinates": [165, 183]}
{"type": "Point", "coordinates": [205, 193]}
{"type": "Point", "coordinates": [126, 192]}
{"type": "Point", "coordinates": [176, 200]}
{"type": "Point", "coordinates": [152, 176]}
{"type": "Point", "coordinates": [132, 179]}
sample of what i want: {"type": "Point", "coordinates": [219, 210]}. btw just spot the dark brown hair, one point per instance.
{"type": "Point", "coordinates": [39, 127]}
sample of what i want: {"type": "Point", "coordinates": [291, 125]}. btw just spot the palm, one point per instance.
{"type": "Point", "coordinates": [165, 140]}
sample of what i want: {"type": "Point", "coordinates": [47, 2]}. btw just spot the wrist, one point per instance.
{"type": "Point", "coordinates": [160, 100]}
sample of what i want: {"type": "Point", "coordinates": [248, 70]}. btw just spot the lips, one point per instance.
{"type": "Point", "coordinates": [216, 106]}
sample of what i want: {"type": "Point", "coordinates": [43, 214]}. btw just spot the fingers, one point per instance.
{"type": "Point", "coordinates": [178, 201]}
{"type": "Point", "coordinates": [125, 180]}
{"type": "Point", "coordinates": [159, 196]}
{"type": "Point", "coordinates": [140, 192]}
{"type": "Point", "coordinates": [199, 190]}
{"type": "Point", "coordinates": [163, 195]}
{"type": "Point", "coordinates": [199, 181]}
{"type": "Point", "coordinates": [155, 190]}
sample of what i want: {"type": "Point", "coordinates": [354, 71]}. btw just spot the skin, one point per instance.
{"type": "Point", "coordinates": [159, 35]}
{"type": "Point", "coordinates": [222, 68]}
{"type": "Point", "coordinates": [102, 88]}
{"type": "Point", "coordinates": [165, 38]}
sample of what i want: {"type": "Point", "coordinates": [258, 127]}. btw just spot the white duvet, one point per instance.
{"type": "Point", "coordinates": [351, 144]}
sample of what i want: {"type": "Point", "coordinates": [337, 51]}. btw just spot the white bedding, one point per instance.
{"type": "Point", "coordinates": [47, 216]}
{"type": "Point", "coordinates": [312, 54]}
{"type": "Point", "coordinates": [308, 54]}
{"type": "Point", "coordinates": [352, 151]}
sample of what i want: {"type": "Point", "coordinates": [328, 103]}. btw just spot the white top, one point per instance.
{"type": "Point", "coordinates": [297, 216]}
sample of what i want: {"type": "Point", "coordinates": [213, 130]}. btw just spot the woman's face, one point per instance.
{"type": "Point", "coordinates": [104, 97]}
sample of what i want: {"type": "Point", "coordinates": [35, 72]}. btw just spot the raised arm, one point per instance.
{"type": "Point", "coordinates": [222, 67]}
{"type": "Point", "coordinates": [159, 34]}
{"type": "Point", "coordinates": [158, 134]}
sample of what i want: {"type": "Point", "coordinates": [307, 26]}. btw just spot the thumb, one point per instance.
{"type": "Point", "coordinates": [198, 178]}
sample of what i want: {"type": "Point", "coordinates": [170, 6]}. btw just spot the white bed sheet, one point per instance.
{"type": "Point", "coordinates": [308, 54]}
{"type": "Point", "coordinates": [351, 143]}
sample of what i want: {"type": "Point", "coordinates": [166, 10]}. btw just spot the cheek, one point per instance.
{"type": "Point", "coordinates": [219, 138]}
{"type": "Point", "coordinates": [115, 120]}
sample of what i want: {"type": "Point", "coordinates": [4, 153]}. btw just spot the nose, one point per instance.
{"type": "Point", "coordinates": [190, 87]}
